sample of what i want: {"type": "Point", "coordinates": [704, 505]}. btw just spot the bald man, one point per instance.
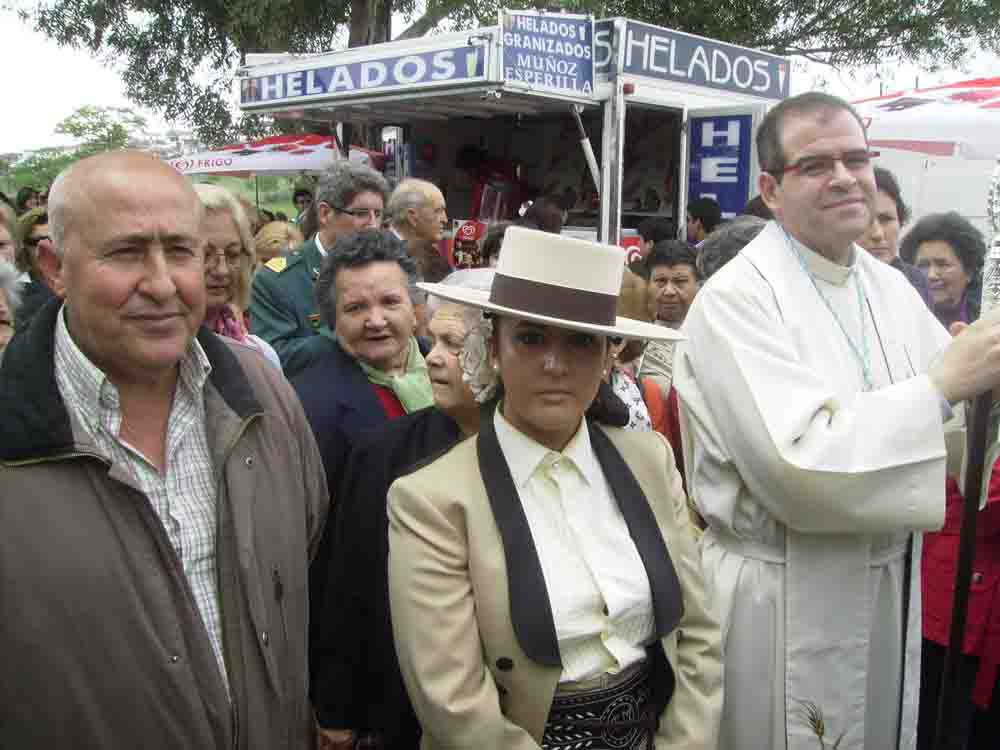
{"type": "Point", "coordinates": [418, 214]}
{"type": "Point", "coordinates": [160, 493]}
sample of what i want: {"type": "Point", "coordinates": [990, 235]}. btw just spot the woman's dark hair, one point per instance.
{"type": "Point", "coordinates": [24, 195]}
{"type": "Point", "coordinates": [267, 216]}
{"type": "Point", "coordinates": [357, 250]}
{"type": "Point", "coordinates": [886, 182]}
{"type": "Point", "coordinates": [963, 238]}
{"type": "Point", "coordinates": [672, 253]}
{"type": "Point", "coordinates": [493, 241]}
{"type": "Point", "coordinates": [545, 214]}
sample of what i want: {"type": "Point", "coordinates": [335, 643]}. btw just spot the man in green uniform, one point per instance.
{"type": "Point", "coordinates": [350, 197]}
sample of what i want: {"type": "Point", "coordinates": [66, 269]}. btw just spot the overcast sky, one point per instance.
{"type": "Point", "coordinates": [43, 83]}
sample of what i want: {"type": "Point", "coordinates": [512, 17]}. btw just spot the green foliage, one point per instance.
{"type": "Point", "coordinates": [95, 129]}
{"type": "Point", "coordinates": [37, 170]}
{"type": "Point", "coordinates": [178, 57]}
{"type": "Point", "coordinates": [101, 128]}
{"type": "Point", "coordinates": [166, 48]}
{"type": "Point", "coordinates": [838, 32]}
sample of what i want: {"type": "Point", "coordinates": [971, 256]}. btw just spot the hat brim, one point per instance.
{"type": "Point", "coordinates": [624, 327]}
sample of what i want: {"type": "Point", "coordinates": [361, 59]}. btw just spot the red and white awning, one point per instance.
{"type": "Point", "coordinates": [275, 155]}
{"type": "Point", "coordinates": [959, 119]}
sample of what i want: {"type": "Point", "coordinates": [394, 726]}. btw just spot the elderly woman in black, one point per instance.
{"type": "Point", "coordinates": [370, 371]}
{"type": "Point", "coordinates": [545, 583]}
{"type": "Point", "coordinates": [359, 693]}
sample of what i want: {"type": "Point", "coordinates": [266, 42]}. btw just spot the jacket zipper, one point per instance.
{"type": "Point", "coordinates": [227, 454]}
{"type": "Point", "coordinates": [56, 458]}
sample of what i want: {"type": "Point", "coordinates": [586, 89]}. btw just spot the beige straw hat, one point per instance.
{"type": "Point", "coordinates": [559, 281]}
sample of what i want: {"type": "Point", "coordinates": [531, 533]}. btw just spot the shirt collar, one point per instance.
{"type": "Point", "coordinates": [822, 267]}
{"type": "Point", "coordinates": [524, 455]}
{"type": "Point", "coordinates": [319, 245]}
{"type": "Point", "coordinates": [89, 386]}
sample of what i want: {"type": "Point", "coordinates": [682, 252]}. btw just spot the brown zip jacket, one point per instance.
{"type": "Point", "coordinates": [101, 643]}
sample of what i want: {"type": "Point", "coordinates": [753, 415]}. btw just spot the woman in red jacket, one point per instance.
{"type": "Point", "coordinates": [981, 651]}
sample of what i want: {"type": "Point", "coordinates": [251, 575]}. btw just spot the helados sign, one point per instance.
{"type": "Point", "coordinates": [669, 55]}
{"type": "Point", "coordinates": [466, 63]}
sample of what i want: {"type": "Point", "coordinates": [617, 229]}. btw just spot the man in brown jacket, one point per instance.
{"type": "Point", "coordinates": [160, 494]}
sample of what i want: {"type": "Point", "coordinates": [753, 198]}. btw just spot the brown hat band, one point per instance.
{"type": "Point", "coordinates": [539, 298]}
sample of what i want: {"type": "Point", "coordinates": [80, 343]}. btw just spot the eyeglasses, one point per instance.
{"type": "Point", "coordinates": [232, 257]}
{"type": "Point", "coordinates": [823, 165]}
{"type": "Point", "coordinates": [360, 213]}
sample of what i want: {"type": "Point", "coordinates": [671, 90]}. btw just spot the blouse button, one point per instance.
{"type": "Point", "coordinates": [977, 577]}
{"type": "Point", "coordinates": [505, 664]}
{"type": "Point", "coordinates": [174, 658]}
{"type": "Point", "coordinates": [264, 637]}
{"type": "Point", "coordinates": [249, 462]}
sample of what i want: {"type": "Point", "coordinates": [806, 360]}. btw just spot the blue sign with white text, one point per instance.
{"type": "Point", "coordinates": [550, 51]}
{"type": "Point", "coordinates": [419, 70]}
{"type": "Point", "coordinates": [675, 56]}
{"type": "Point", "coordinates": [720, 160]}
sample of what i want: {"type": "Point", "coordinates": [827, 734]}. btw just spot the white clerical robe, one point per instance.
{"type": "Point", "coordinates": [811, 487]}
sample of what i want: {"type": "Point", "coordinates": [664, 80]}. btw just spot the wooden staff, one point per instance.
{"type": "Point", "coordinates": [951, 698]}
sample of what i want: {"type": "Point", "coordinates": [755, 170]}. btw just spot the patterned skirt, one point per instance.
{"type": "Point", "coordinates": [611, 712]}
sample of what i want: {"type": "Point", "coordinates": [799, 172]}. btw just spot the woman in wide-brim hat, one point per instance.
{"type": "Point", "coordinates": [545, 585]}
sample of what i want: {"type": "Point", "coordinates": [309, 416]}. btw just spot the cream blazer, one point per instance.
{"type": "Point", "coordinates": [477, 646]}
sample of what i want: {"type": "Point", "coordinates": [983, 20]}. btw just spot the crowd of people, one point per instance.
{"type": "Point", "coordinates": [287, 484]}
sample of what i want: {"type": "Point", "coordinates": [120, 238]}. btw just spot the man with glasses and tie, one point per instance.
{"type": "Point", "coordinates": [815, 387]}
{"type": "Point", "coordinates": [349, 197]}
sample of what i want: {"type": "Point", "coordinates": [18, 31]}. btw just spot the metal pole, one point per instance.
{"type": "Point", "coordinates": [588, 149]}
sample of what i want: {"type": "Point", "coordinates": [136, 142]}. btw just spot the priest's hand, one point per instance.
{"type": "Point", "coordinates": [971, 363]}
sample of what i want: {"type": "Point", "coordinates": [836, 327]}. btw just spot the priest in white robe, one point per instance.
{"type": "Point", "coordinates": [815, 387]}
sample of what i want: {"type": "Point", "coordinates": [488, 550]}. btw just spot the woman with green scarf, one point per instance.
{"type": "Point", "coordinates": [373, 369]}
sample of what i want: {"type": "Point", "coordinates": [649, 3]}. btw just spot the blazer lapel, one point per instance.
{"type": "Point", "coordinates": [530, 610]}
{"type": "Point", "coordinates": [668, 602]}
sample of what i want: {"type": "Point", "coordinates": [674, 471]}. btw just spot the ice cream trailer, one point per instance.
{"type": "Point", "coordinates": [618, 120]}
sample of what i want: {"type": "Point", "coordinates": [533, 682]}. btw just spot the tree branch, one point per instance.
{"type": "Point", "coordinates": [435, 14]}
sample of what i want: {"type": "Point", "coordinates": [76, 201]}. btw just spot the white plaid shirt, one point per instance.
{"type": "Point", "coordinates": [184, 496]}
